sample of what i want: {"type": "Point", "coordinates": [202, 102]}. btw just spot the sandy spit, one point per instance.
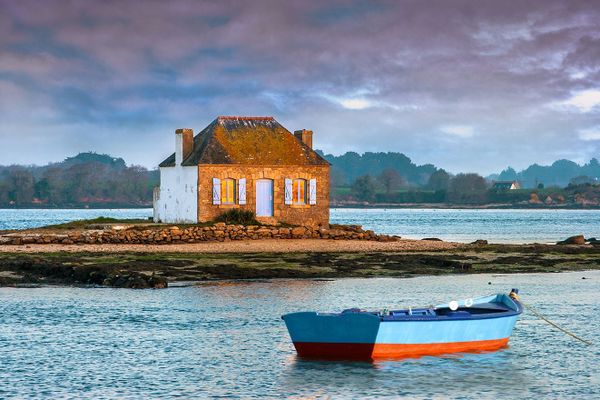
{"type": "Point", "coordinates": [246, 246]}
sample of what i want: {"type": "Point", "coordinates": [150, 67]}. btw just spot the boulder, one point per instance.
{"type": "Point", "coordinates": [135, 280]}
{"type": "Point", "coordinates": [157, 282]}
{"type": "Point", "coordinates": [480, 242]}
{"type": "Point", "coordinates": [593, 241]}
{"type": "Point", "coordinates": [263, 231]}
{"type": "Point", "coordinates": [578, 239]}
{"type": "Point", "coordinates": [100, 227]}
{"type": "Point", "coordinates": [28, 239]}
{"type": "Point", "coordinates": [298, 231]}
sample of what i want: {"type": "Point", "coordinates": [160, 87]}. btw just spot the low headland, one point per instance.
{"type": "Point", "coordinates": [139, 254]}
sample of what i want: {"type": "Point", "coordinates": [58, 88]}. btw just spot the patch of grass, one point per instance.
{"type": "Point", "coordinates": [166, 225]}
{"type": "Point", "coordinates": [82, 223]}
{"type": "Point", "coordinates": [137, 224]}
{"type": "Point", "coordinates": [237, 216]}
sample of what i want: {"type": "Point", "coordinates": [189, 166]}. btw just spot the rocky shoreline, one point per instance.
{"type": "Point", "coordinates": [145, 255]}
{"type": "Point", "coordinates": [147, 269]}
{"type": "Point", "coordinates": [160, 234]}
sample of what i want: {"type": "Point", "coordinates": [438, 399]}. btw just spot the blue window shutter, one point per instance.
{"type": "Point", "coordinates": [216, 191]}
{"type": "Point", "coordinates": [312, 192]}
{"type": "Point", "coordinates": [242, 191]}
{"type": "Point", "coordinates": [288, 191]}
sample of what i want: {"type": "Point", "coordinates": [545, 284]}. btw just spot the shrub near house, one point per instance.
{"type": "Point", "coordinates": [251, 163]}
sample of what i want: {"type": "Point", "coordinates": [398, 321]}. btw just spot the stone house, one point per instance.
{"type": "Point", "coordinates": [251, 163]}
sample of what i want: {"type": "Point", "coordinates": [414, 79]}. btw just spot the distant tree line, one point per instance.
{"type": "Point", "coordinates": [349, 166]}
{"type": "Point", "coordinates": [394, 178]}
{"type": "Point", "coordinates": [346, 168]}
{"type": "Point", "coordinates": [86, 179]}
{"type": "Point", "coordinates": [440, 187]}
{"type": "Point", "coordinates": [91, 179]}
{"type": "Point", "coordinates": [466, 189]}
{"type": "Point", "coordinates": [559, 174]}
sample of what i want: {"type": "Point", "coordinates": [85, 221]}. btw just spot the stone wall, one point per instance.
{"type": "Point", "coordinates": [307, 215]}
{"type": "Point", "coordinates": [195, 234]}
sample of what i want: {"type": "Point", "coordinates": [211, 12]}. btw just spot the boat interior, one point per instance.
{"type": "Point", "coordinates": [489, 309]}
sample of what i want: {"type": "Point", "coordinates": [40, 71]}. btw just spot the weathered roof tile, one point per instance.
{"type": "Point", "coordinates": [248, 140]}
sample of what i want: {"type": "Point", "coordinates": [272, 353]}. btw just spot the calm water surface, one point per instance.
{"type": "Point", "coordinates": [227, 340]}
{"type": "Point", "coordinates": [33, 218]}
{"type": "Point", "coordinates": [498, 226]}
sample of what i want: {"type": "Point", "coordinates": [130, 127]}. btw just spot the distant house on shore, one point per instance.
{"type": "Point", "coordinates": [506, 185]}
{"type": "Point", "coordinates": [251, 163]}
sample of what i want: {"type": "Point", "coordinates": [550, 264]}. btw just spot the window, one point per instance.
{"type": "Point", "coordinates": [228, 191]}
{"type": "Point", "coordinates": [299, 191]}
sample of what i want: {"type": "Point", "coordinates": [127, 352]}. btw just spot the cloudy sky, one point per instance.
{"type": "Point", "coordinates": [466, 85]}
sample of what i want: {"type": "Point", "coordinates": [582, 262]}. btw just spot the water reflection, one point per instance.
{"type": "Point", "coordinates": [435, 376]}
{"type": "Point", "coordinates": [299, 290]}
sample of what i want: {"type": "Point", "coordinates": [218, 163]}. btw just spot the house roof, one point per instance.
{"type": "Point", "coordinates": [250, 141]}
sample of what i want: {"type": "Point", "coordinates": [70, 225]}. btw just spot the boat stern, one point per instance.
{"type": "Point", "coordinates": [345, 335]}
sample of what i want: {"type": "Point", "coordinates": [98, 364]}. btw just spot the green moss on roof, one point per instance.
{"type": "Point", "coordinates": [250, 141]}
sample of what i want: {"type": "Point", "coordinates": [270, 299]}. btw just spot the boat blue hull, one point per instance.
{"type": "Point", "coordinates": [363, 334]}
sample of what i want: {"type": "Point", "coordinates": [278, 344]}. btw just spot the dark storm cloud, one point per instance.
{"type": "Point", "coordinates": [467, 85]}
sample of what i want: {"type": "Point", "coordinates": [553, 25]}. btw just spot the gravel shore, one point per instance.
{"type": "Point", "coordinates": [246, 246]}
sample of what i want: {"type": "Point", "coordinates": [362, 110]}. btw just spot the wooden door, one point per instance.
{"type": "Point", "coordinates": [264, 198]}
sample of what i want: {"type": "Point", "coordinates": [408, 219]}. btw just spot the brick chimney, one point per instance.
{"type": "Point", "coordinates": [304, 136]}
{"type": "Point", "coordinates": [184, 144]}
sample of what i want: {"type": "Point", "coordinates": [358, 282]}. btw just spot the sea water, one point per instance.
{"type": "Point", "coordinates": [227, 340]}
{"type": "Point", "coordinates": [467, 225]}
{"type": "Point", "coordinates": [463, 225]}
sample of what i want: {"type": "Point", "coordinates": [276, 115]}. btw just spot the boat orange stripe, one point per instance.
{"type": "Point", "coordinates": [379, 350]}
{"type": "Point", "coordinates": [407, 350]}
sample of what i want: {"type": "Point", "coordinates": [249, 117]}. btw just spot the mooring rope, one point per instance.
{"type": "Point", "coordinates": [540, 316]}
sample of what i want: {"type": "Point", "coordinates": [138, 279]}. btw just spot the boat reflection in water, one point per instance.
{"type": "Point", "coordinates": [472, 325]}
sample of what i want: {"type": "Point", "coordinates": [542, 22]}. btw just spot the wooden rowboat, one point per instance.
{"type": "Point", "coordinates": [480, 324]}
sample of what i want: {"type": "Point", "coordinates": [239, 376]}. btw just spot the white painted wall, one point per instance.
{"type": "Point", "coordinates": [177, 199]}
{"type": "Point", "coordinates": [178, 148]}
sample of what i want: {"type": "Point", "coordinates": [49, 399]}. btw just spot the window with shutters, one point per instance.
{"type": "Point", "coordinates": [299, 191]}
{"type": "Point", "coordinates": [228, 191]}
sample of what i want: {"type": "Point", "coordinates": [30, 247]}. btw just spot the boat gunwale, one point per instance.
{"type": "Point", "coordinates": [426, 318]}
{"type": "Point", "coordinates": [509, 312]}
{"type": "Point", "coordinates": [442, 318]}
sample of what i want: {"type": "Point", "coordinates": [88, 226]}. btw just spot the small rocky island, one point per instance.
{"type": "Point", "coordinates": [139, 254]}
